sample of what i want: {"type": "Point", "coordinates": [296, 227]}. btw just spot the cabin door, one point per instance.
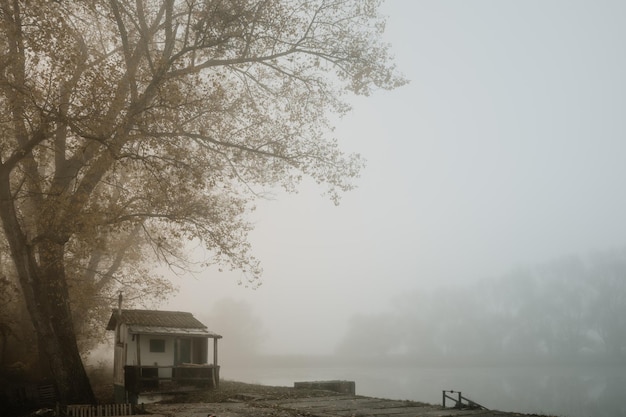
{"type": "Point", "coordinates": [183, 351]}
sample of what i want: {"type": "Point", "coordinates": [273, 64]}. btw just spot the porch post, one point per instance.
{"type": "Point", "coordinates": [215, 351]}
{"type": "Point", "coordinates": [216, 379]}
{"type": "Point", "coordinates": [138, 350]}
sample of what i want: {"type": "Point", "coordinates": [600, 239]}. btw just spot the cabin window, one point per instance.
{"type": "Point", "coordinates": [157, 345]}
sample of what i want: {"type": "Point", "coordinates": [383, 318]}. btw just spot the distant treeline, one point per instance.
{"type": "Point", "coordinates": [570, 310]}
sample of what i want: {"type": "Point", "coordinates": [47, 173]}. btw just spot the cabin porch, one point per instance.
{"type": "Point", "coordinates": [139, 379]}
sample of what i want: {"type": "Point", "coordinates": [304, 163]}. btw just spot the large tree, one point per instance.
{"type": "Point", "coordinates": [164, 119]}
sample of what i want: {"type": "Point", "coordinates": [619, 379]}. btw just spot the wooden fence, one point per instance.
{"type": "Point", "coordinates": [103, 410]}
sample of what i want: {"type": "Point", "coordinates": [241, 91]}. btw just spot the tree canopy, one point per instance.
{"type": "Point", "coordinates": [163, 121]}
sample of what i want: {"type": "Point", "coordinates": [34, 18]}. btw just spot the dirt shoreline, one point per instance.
{"type": "Point", "coordinates": [234, 390]}
{"type": "Point", "coordinates": [238, 399]}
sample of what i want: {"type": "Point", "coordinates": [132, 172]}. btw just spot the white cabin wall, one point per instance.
{"type": "Point", "coordinates": [157, 358]}
{"type": "Point", "coordinates": [131, 349]}
{"type": "Point", "coordinates": [123, 333]}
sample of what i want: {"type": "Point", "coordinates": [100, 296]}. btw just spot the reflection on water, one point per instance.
{"type": "Point", "coordinates": [563, 391]}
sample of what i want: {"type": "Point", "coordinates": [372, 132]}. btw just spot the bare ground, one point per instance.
{"type": "Point", "coordinates": [234, 390]}
{"type": "Point", "coordinates": [238, 399]}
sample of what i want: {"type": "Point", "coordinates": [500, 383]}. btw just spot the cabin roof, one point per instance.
{"type": "Point", "coordinates": [159, 322]}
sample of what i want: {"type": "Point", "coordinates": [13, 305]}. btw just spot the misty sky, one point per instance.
{"type": "Point", "coordinates": [506, 149]}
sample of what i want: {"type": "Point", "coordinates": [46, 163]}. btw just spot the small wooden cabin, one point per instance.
{"type": "Point", "coordinates": [157, 352]}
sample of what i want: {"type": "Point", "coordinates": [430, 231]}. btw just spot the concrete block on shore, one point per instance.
{"type": "Point", "coordinates": [343, 387]}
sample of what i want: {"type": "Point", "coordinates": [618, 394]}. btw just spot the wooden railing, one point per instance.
{"type": "Point", "coordinates": [146, 378]}
{"type": "Point", "coordinates": [461, 401]}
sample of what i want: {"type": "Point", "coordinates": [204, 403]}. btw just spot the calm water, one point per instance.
{"type": "Point", "coordinates": [562, 391]}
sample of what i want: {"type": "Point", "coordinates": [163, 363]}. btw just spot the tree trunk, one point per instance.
{"type": "Point", "coordinates": [61, 349]}
{"type": "Point", "coordinates": [43, 284]}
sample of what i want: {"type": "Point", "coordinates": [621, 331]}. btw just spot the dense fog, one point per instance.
{"type": "Point", "coordinates": [504, 153]}
{"type": "Point", "coordinates": [568, 311]}
{"type": "Point", "coordinates": [571, 310]}
{"type": "Point", "coordinates": [483, 249]}
{"type": "Point", "coordinates": [546, 338]}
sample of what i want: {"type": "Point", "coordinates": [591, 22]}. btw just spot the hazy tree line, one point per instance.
{"type": "Point", "coordinates": [572, 309]}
